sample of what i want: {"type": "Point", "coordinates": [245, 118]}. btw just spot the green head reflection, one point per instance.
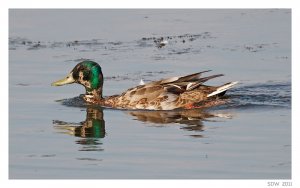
{"type": "Point", "coordinates": [92, 127]}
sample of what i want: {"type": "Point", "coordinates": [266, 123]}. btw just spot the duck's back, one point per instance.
{"type": "Point", "coordinates": [166, 94]}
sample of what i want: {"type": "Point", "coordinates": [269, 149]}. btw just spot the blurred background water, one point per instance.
{"type": "Point", "coordinates": [52, 134]}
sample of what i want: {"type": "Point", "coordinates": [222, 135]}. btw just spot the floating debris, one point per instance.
{"type": "Point", "coordinates": [160, 42]}
{"type": "Point", "coordinates": [164, 40]}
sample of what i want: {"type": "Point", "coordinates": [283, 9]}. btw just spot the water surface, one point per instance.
{"type": "Point", "coordinates": [53, 134]}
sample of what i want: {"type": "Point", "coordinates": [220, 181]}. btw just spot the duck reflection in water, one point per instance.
{"type": "Point", "coordinates": [191, 119]}
{"type": "Point", "coordinates": [90, 131]}
{"type": "Point", "coordinates": [93, 128]}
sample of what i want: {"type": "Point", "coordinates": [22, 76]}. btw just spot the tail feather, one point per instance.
{"type": "Point", "coordinates": [193, 85]}
{"type": "Point", "coordinates": [202, 80]}
{"type": "Point", "coordinates": [222, 88]}
{"type": "Point", "coordinates": [191, 77]}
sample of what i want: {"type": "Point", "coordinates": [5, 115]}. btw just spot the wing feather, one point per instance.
{"type": "Point", "coordinates": [173, 86]}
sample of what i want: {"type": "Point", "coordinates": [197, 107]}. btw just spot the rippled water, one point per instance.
{"type": "Point", "coordinates": [54, 134]}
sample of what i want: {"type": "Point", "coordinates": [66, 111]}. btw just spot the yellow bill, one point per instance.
{"type": "Point", "coordinates": [67, 80]}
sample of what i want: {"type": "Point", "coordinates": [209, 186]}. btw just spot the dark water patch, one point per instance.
{"type": "Point", "coordinates": [48, 155]}
{"type": "Point", "coordinates": [247, 106]}
{"type": "Point", "coordinates": [196, 128]}
{"type": "Point", "coordinates": [115, 43]}
{"type": "Point", "coordinates": [89, 141]}
{"type": "Point", "coordinates": [289, 163]}
{"type": "Point", "coordinates": [18, 41]}
{"type": "Point", "coordinates": [282, 57]}
{"type": "Point", "coordinates": [31, 155]}
{"type": "Point", "coordinates": [62, 123]}
{"type": "Point", "coordinates": [255, 47]}
{"type": "Point", "coordinates": [79, 60]}
{"type": "Point", "coordinates": [60, 56]}
{"type": "Point", "coordinates": [88, 159]}
{"type": "Point", "coordinates": [36, 46]}
{"type": "Point", "coordinates": [143, 44]}
{"type": "Point", "coordinates": [190, 37]}
{"type": "Point", "coordinates": [137, 76]}
{"type": "Point", "coordinates": [176, 45]}
{"type": "Point", "coordinates": [73, 102]}
{"type": "Point", "coordinates": [90, 149]}
{"type": "Point", "coordinates": [161, 41]}
{"type": "Point", "coordinates": [22, 84]}
{"type": "Point", "coordinates": [41, 156]}
{"type": "Point", "coordinates": [154, 73]}
{"type": "Point", "coordinates": [179, 51]}
{"type": "Point", "coordinates": [93, 42]}
{"type": "Point", "coordinates": [196, 136]}
{"type": "Point", "coordinates": [259, 47]}
{"type": "Point", "coordinates": [87, 45]}
{"type": "Point", "coordinates": [168, 45]}
{"type": "Point", "coordinates": [260, 96]}
{"type": "Point", "coordinates": [56, 44]}
{"type": "Point", "coordinates": [158, 57]}
{"type": "Point", "coordinates": [89, 144]}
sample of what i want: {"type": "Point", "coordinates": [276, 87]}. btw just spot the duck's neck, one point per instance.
{"type": "Point", "coordinates": [94, 95]}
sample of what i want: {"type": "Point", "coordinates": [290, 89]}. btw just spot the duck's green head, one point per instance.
{"type": "Point", "coordinates": [86, 73]}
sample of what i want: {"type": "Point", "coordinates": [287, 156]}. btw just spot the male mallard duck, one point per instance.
{"type": "Point", "coordinates": [172, 93]}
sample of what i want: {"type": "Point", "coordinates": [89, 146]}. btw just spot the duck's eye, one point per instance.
{"type": "Point", "coordinates": [86, 75]}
